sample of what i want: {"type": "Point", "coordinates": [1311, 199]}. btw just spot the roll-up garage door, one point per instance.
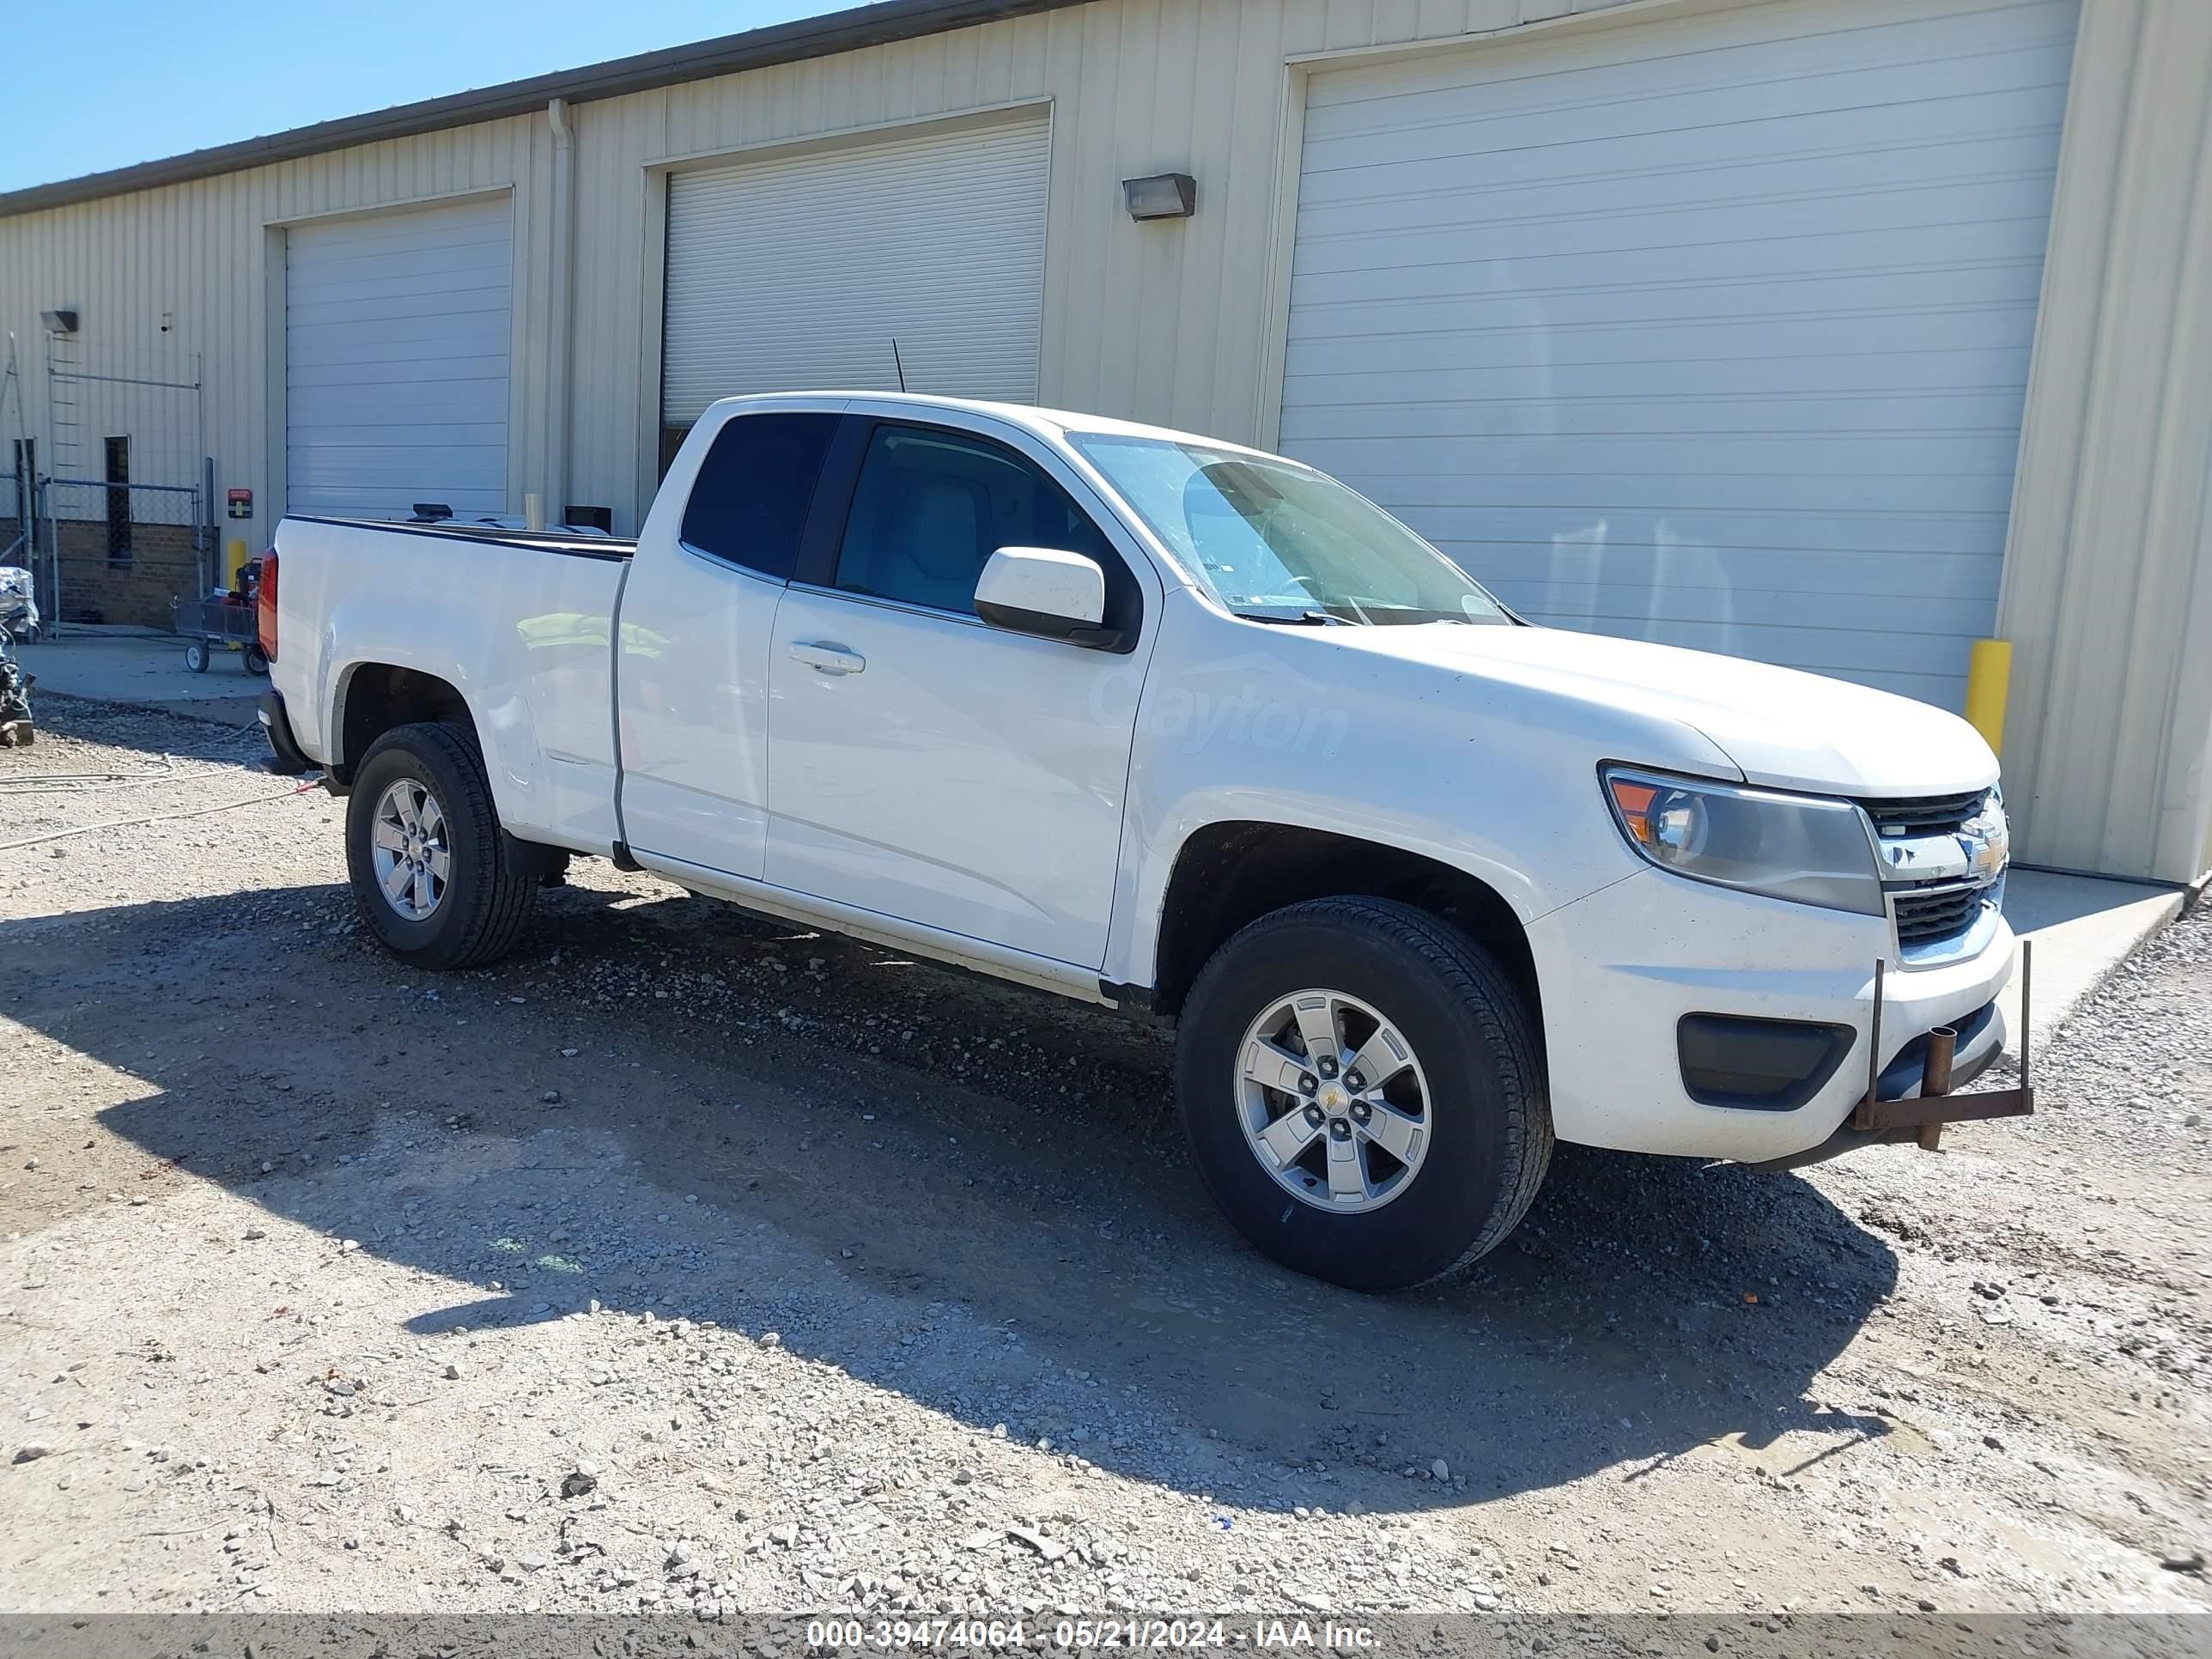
{"type": "Point", "coordinates": [799, 273]}
{"type": "Point", "coordinates": [1713, 330]}
{"type": "Point", "coordinates": [395, 357]}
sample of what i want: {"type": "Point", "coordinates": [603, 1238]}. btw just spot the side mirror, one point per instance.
{"type": "Point", "coordinates": [1047, 592]}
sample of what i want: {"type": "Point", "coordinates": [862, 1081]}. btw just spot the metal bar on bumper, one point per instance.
{"type": "Point", "coordinates": [1877, 1122]}
{"type": "Point", "coordinates": [1935, 1104]}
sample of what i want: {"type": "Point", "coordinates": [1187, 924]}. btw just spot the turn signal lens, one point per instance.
{"type": "Point", "coordinates": [1633, 801]}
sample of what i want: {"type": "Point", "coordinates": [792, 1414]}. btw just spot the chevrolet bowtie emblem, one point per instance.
{"type": "Point", "coordinates": [1987, 842]}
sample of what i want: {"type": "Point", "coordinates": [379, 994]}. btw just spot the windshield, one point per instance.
{"type": "Point", "coordinates": [1278, 541]}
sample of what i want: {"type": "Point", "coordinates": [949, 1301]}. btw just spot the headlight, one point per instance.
{"type": "Point", "coordinates": [1787, 847]}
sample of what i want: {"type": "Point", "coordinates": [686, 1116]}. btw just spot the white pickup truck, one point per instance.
{"type": "Point", "coordinates": [1181, 728]}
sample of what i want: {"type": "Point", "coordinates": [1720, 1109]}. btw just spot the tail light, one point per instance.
{"type": "Point", "coordinates": [264, 606]}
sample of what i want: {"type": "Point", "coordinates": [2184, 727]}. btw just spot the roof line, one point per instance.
{"type": "Point", "coordinates": [780, 43]}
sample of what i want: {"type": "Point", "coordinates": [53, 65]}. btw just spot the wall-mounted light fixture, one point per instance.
{"type": "Point", "coordinates": [59, 322]}
{"type": "Point", "coordinates": [1163, 196]}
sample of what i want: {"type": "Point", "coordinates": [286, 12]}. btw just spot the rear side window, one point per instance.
{"type": "Point", "coordinates": [749, 502]}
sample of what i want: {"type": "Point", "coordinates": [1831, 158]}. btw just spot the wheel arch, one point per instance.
{"type": "Point", "coordinates": [372, 698]}
{"type": "Point", "coordinates": [1229, 873]}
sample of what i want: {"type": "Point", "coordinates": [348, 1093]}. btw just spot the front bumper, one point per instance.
{"type": "Point", "coordinates": [1621, 969]}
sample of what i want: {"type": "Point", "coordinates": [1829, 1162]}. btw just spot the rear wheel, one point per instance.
{"type": "Point", "coordinates": [195, 656]}
{"type": "Point", "coordinates": [424, 850]}
{"type": "Point", "coordinates": [255, 661]}
{"type": "Point", "coordinates": [1364, 1092]}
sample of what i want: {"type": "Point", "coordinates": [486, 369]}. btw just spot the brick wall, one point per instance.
{"type": "Point", "coordinates": [135, 587]}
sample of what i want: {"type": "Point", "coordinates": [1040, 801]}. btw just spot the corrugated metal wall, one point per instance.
{"type": "Point", "coordinates": [1165, 322]}
{"type": "Point", "coordinates": [2108, 571]}
{"type": "Point", "coordinates": [2108, 578]}
{"type": "Point", "coordinates": [199, 256]}
{"type": "Point", "coordinates": [1169, 322]}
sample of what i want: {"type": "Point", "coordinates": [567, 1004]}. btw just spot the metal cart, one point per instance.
{"type": "Point", "coordinates": [224, 621]}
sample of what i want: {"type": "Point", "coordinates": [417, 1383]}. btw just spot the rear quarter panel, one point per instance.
{"type": "Point", "coordinates": [523, 635]}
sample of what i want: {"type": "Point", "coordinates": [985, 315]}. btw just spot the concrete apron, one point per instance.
{"type": "Point", "coordinates": [2084, 928]}
{"type": "Point", "coordinates": [142, 669]}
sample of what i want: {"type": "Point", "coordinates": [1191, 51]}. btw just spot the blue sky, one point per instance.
{"type": "Point", "coordinates": [114, 82]}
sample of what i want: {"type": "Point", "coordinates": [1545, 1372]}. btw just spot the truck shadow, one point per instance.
{"type": "Point", "coordinates": [1019, 1243]}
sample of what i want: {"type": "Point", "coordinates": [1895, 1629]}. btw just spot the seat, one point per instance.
{"type": "Point", "coordinates": [924, 546]}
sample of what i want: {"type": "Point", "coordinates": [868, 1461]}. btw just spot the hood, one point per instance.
{"type": "Point", "coordinates": [1783, 727]}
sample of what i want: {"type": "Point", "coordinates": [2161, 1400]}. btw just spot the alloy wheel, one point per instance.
{"type": "Point", "coordinates": [1333, 1101]}
{"type": "Point", "coordinates": [409, 849]}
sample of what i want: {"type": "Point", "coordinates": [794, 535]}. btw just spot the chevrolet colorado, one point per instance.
{"type": "Point", "coordinates": [1179, 727]}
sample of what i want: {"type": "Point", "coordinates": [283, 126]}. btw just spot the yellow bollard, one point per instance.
{"type": "Point", "coordinates": [234, 563]}
{"type": "Point", "coordinates": [1989, 676]}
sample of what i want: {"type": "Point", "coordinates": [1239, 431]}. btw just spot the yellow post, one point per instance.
{"type": "Point", "coordinates": [1989, 676]}
{"type": "Point", "coordinates": [235, 563]}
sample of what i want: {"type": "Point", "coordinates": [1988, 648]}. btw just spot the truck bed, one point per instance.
{"type": "Point", "coordinates": [519, 622]}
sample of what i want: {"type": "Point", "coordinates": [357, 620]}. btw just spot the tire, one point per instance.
{"type": "Point", "coordinates": [195, 656]}
{"type": "Point", "coordinates": [1476, 1068]}
{"type": "Point", "coordinates": [256, 662]}
{"type": "Point", "coordinates": [478, 909]}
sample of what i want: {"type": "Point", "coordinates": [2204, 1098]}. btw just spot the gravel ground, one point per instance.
{"type": "Point", "coordinates": [688, 1261]}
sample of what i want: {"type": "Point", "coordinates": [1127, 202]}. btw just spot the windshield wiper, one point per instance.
{"type": "Point", "coordinates": [1303, 619]}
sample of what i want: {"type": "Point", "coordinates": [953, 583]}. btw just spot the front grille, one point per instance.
{"type": "Point", "coordinates": [1924, 815]}
{"type": "Point", "coordinates": [1926, 914]}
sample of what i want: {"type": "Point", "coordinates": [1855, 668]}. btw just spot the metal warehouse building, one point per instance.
{"type": "Point", "coordinates": [1841, 333]}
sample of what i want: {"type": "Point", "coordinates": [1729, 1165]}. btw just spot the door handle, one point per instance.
{"type": "Point", "coordinates": [829, 659]}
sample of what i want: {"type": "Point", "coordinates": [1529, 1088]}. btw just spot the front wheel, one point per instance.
{"type": "Point", "coordinates": [257, 662]}
{"type": "Point", "coordinates": [195, 656]}
{"type": "Point", "coordinates": [423, 848]}
{"type": "Point", "coordinates": [1364, 1092]}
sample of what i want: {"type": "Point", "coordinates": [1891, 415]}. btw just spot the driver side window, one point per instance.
{"type": "Point", "coordinates": [930, 506]}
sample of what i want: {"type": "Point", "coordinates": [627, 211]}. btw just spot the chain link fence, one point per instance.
{"type": "Point", "coordinates": [120, 553]}
{"type": "Point", "coordinates": [122, 528]}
